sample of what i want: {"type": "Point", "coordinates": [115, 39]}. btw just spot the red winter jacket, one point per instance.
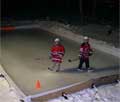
{"type": "Point", "coordinates": [57, 53]}
{"type": "Point", "coordinates": [85, 50]}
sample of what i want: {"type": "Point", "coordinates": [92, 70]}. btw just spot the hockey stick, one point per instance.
{"type": "Point", "coordinates": [75, 59]}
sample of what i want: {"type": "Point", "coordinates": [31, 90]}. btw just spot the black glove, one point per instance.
{"type": "Point", "coordinates": [91, 53]}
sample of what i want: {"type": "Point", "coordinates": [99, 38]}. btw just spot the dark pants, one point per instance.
{"type": "Point", "coordinates": [84, 60]}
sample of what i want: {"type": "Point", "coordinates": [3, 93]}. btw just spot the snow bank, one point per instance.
{"type": "Point", "coordinates": [106, 93]}
{"type": "Point", "coordinates": [7, 93]}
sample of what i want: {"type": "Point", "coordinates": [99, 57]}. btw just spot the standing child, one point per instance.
{"type": "Point", "coordinates": [85, 52]}
{"type": "Point", "coordinates": [56, 55]}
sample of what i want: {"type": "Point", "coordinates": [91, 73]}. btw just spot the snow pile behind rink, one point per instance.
{"type": "Point", "coordinates": [7, 93]}
{"type": "Point", "coordinates": [105, 93]}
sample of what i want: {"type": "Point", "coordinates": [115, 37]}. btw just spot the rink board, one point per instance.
{"type": "Point", "coordinates": [74, 88]}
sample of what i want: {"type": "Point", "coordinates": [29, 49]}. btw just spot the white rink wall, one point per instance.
{"type": "Point", "coordinates": [105, 93]}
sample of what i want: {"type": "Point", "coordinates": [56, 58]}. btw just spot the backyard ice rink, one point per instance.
{"type": "Point", "coordinates": [25, 57]}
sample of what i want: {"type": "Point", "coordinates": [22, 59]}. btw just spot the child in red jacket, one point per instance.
{"type": "Point", "coordinates": [85, 52]}
{"type": "Point", "coordinates": [56, 54]}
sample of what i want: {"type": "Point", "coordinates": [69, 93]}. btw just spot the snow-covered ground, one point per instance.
{"type": "Point", "coordinates": [7, 93]}
{"type": "Point", "coordinates": [105, 93]}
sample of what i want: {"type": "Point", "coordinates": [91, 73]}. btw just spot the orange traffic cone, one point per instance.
{"type": "Point", "coordinates": [38, 86]}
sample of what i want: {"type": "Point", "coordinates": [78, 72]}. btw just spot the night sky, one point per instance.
{"type": "Point", "coordinates": [38, 7]}
{"type": "Point", "coordinates": [35, 9]}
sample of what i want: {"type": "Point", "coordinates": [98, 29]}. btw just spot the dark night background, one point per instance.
{"type": "Point", "coordinates": [68, 10]}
